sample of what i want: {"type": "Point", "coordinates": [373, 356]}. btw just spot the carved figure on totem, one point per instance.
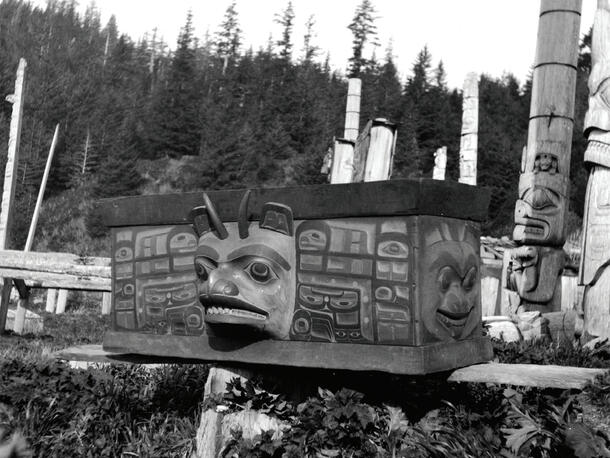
{"type": "Point", "coordinates": [542, 204]}
{"type": "Point", "coordinates": [533, 271]}
{"type": "Point", "coordinates": [595, 253]}
{"type": "Point", "coordinates": [450, 282]}
{"type": "Point", "coordinates": [246, 270]}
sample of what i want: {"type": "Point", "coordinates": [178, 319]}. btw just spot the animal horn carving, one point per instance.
{"type": "Point", "coordinates": [215, 221]}
{"type": "Point", "coordinates": [243, 216]}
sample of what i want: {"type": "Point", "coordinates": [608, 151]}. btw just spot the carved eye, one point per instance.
{"type": "Point", "coordinates": [469, 279]}
{"type": "Point", "coordinates": [393, 249]}
{"type": "Point", "coordinates": [188, 292]}
{"type": "Point", "coordinates": [444, 278]}
{"type": "Point", "coordinates": [541, 198]}
{"type": "Point", "coordinates": [261, 272]}
{"type": "Point", "coordinates": [154, 297]}
{"type": "Point", "coordinates": [203, 267]}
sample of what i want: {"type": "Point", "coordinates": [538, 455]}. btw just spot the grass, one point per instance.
{"type": "Point", "coordinates": [131, 410]}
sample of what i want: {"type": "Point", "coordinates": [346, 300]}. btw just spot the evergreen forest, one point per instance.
{"type": "Point", "coordinates": [138, 115]}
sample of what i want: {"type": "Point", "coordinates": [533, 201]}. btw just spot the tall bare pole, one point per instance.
{"type": "Point", "coordinates": [20, 312]}
{"type": "Point", "coordinates": [470, 130]}
{"type": "Point", "coordinates": [10, 180]}
{"type": "Point", "coordinates": [352, 110]}
{"type": "Point", "coordinates": [541, 208]}
{"type": "Point", "coordinates": [342, 166]}
{"type": "Point", "coordinates": [595, 254]}
{"type": "Point", "coordinates": [43, 185]}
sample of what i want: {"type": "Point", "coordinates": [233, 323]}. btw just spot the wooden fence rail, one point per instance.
{"type": "Point", "coordinates": [56, 270]}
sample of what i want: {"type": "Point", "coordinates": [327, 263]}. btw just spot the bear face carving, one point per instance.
{"type": "Point", "coordinates": [245, 271]}
{"type": "Point", "coordinates": [451, 306]}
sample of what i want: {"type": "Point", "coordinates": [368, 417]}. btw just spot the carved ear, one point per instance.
{"type": "Point", "coordinates": [278, 218]}
{"type": "Point", "coordinates": [199, 216]}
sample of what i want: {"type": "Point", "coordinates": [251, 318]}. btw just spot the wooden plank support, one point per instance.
{"type": "Point", "coordinates": [62, 300]}
{"type": "Point", "coordinates": [534, 375]}
{"type": "Point", "coordinates": [106, 303]}
{"type": "Point", "coordinates": [10, 181]}
{"type": "Point", "coordinates": [51, 300]}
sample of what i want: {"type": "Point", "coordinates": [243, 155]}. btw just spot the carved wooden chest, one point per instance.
{"type": "Point", "coordinates": [369, 276]}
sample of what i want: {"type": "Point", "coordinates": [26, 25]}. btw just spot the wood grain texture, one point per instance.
{"type": "Point", "coordinates": [470, 128]}
{"type": "Point", "coordinates": [594, 272]}
{"type": "Point", "coordinates": [40, 279]}
{"type": "Point", "coordinates": [352, 109]}
{"type": "Point", "coordinates": [51, 300]}
{"type": "Point", "coordinates": [361, 149]}
{"type": "Point", "coordinates": [10, 182]}
{"type": "Point", "coordinates": [548, 376]}
{"type": "Point", "coordinates": [63, 263]}
{"type": "Point", "coordinates": [395, 197]}
{"type": "Point", "coordinates": [356, 357]}
{"type": "Point", "coordinates": [62, 301]}
{"type": "Point", "coordinates": [380, 154]}
{"type": "Point", "coordinates": [342, 167]}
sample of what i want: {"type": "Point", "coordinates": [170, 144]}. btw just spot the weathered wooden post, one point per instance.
{"type": "Point", "coordinates": [380, 154]}
{"type": "Point", "coordinates": [440, 163]}
{"type": "Point", "coordinates": [535, 266]}
{"type": "Point", "coordinates": [62, 300]}
{"type": "Point", "coordinates": [343, 161]}
{"type": "Point", "coordinates": [106, 303]}
{"type": "Point", "coordinates": [51, 300]}
{"type": "Point", "coordinates": [341, 170]}
{"type": "Point", "coordinates": [352, 109]}
{"type": "Point", "coordinates": [23, 298]}
{"type": "Point", "coordinates": [10, 181]}
{"type": "Point", "coordinates": [595, 254]}
{"type": "Point", "coordinates": [470, 130]}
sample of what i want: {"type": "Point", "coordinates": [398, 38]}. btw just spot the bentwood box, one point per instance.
{"type": "Point", "coordinates": [378, 276]}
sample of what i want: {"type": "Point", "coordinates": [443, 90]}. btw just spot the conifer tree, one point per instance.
{"type": "Point", "coordinates": [228, 38]}
{"type": "Point", "coordinates": [364, 31]}
{"type": "Point", "coordinates": [286, 20]}
{"type": "Point", "coordinates": [310, 50]}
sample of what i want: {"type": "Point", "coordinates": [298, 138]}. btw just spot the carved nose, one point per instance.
{"type": "Point", "coordinates": [225, 287]}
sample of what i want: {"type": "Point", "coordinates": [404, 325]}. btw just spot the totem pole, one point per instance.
{"type": "Point", "coordinates": [342, 167]}
{"type": "Point", "coordinates": [595, 254]}
{"type": "Point", "coordinates": [470, 127]}
{"type": "Point", "coordinates": [534, 267]}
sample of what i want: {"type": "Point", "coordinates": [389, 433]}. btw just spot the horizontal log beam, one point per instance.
{"type": "Point", "coordinates": [40, 279]}
{"type": "Point", "coordinates": [55, 262]}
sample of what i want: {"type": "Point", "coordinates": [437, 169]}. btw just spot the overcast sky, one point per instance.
{"type": "Point", "coordinates": [490, 36]}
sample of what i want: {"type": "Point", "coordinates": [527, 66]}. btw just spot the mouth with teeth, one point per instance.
{"type": "Point", "coordinates": [223, 310]}
{"type": "Point", "coordinates": [453, 319]}
{"type": "Point", "coordinates": [532, 227]}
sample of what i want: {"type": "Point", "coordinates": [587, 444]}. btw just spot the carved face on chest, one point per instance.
{"type": "Point", "coordinates": [450, 281]}
{"type": "Point", "coordinates": [246, 273]}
